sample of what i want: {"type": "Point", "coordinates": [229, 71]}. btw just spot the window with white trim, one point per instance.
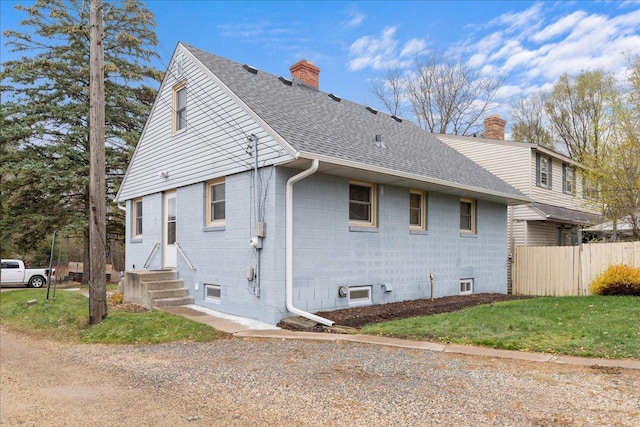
{"type": "Point", "coordinates": [136, 215]}
{"type": "Point", "coordinates": [543, 171]}
{"type": "Point", "coordinates": [362, 204]}
{"type": "Point", "coordinates": [212, 292]}
{"type": "Point", "coordinates": [467, 216]}
{"type": "Point", "coordinates": [216, 203]}
{"type": "Point", "coordinates": [359, 295]}
{"type": "Point", "coordinates": [417, 210]}
{"type": "Point", "coordinates": [568, 179]}
{"type": "Point", "coordinates": [180, 107]}
{"type": "Point", "coordinates": [466, 286]}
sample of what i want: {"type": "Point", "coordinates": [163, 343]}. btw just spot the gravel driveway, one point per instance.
{"type": "Point", "coordinates": [270, 382]}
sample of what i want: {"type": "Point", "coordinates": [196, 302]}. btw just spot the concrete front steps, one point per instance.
{"type": "Point", "coordinates": [155, 288]}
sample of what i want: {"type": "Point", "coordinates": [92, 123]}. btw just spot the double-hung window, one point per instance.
{"type": "Point", "coordinates": [589, 190]}
{"type": "Point", "coordinates": [568, 179]}
{"type": "Point", "coordinates": [216, 203]}
{"type": "Point", "coordinates": [417, 210]}
{"type": "Point", "coordinates": [543, 171]}
{"type": "Point", "coordinates": [467, 216]}
{"type": "Point", "coordinates": [180, 107]}
{"type": "Point", "coordinates": [362, 204]}
{"type": "Point", "coordinates": [136, 214]}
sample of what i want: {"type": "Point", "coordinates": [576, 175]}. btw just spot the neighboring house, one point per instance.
{"type": "Point", "coordinates": [616, 231]}
{"type": "Point", "coordinates": [348, 206]}
{"type": "Point", "coordinates": [561, 204]}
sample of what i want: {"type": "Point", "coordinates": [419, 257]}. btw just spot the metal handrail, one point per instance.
{"type": "Point", "coordinates": [184, 256]}
{"type": "Point", "coordinates": [155, 248]}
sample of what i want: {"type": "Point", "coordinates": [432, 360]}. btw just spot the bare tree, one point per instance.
{"type": "Point", "coordinates": [444, 94]}
{"type": "Point", "coordinates": [579, 110]}
{"type": "Point", "coordinates": [529, 120]}
{"type": "Point", "coordinates": [391, 90]}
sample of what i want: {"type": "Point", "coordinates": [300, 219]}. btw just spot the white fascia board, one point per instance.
{"type": "Point", "coordinates": [551, 153]}
{"type": "Point", "coordinates": [405, 175]}
{"type": "Point", "coordinates": [244, 106]}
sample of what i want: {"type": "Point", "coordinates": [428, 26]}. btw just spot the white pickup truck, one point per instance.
{"type": "Point", "coordinates": [13, 273]}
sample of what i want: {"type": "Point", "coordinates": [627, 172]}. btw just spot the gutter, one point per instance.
{"type": "Point", "coordinates": [289, 247]}
{"type": "Point", "coordinates": [522, 199]}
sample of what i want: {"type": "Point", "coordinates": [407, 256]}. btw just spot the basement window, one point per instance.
{"type": "Point", "coordinates": [360, 295]}
{"type": "Point", "coordinates": [466, 286]}
{"type": "Point", "coordinates": [212, 292]}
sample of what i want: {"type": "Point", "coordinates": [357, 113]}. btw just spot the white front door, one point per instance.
{"type": "Point", "coordinates": [169, 239]}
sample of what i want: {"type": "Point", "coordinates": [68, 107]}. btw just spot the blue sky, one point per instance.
{"type": "Point", "coordinates": [531, 43]}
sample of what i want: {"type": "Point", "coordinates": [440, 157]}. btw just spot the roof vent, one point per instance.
{"type": "Point", "coordinates": [249, 68]}
{"type": "Point", "coordinates": [335, 98]}
{"type": "Point", "coordinates": [379, 142]}
{"type": "Point", "coordinates": [285, 81]}
{"type": "Point", "coordinates": [372, 110]}
{"type": "Point", "coordinates": [397, 119]}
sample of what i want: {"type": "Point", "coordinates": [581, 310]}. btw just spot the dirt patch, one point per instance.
{"type": "Point", "coordinates": [356, 317]}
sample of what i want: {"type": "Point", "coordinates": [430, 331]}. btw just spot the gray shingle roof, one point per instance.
{"type": "Point", "coordinates": [312, 122]}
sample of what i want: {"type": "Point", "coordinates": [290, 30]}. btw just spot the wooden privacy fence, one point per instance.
{"type": "Point", "coordinates": [567, 270]}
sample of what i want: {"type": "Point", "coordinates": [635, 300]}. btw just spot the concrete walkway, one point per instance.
{"type": "Point", "coordinates": [241, 327]}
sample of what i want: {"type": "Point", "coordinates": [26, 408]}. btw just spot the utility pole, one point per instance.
{"type": "Point", "coordinates": [97, 186]}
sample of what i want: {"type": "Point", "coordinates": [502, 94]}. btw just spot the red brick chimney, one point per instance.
{"type": "Point", "coordinates": [494, 127]}
{"type": "Point", "coordinates": [305, 72]}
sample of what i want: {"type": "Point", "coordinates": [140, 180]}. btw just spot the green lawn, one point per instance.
{"type": "Point", "coordinates": [592, 326]}
{"type": "Point", "coordinates": [66, 318]}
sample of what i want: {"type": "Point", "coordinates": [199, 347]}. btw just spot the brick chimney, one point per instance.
{"type": "Point", "coordinates": [305, 72]}
{"type": "Point", "coordinates": [494, 127]}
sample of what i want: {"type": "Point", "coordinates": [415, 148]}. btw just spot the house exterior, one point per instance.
{"type": "Point", "coordinates": [622, 230]}
{"type": "Point", "coordinates": [561, 205]}
{"type": "Point", "coordinates": [272, 198]}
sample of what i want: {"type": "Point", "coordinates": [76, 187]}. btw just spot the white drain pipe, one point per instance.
{"type": "Point", "coordinates": [289, 247]}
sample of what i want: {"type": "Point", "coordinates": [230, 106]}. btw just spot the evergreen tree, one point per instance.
{"type": "Point", "coordinates": [44, 139]}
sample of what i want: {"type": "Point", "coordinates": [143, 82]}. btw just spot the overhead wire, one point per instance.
{"type": "Point", "coordinates": [199, 92]}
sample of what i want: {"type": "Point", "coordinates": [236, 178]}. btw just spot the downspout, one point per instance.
{"type": "Point", "coordinates": [256, 202]}
{"type": "Point", "coordinates": [289, 247]}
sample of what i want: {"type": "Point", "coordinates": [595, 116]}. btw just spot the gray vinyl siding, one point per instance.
{"type": "Point", "coordinates": [213, 144]}
{"type": "Point", "coordinates": [506, 160]}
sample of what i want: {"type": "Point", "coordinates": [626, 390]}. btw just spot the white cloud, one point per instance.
{"type": "Point", "coordinates": [355, 20]}
{"type": "Point", "coordinates": [520, 22]}
{"type": "Point", "coordinates": [537, 45]}
{"type": "Point", "coordinates": [380, 52]}
{"type": "Point", "coordinates": [413, 47]}
{"type": "Point", "coordinates": [559, 27]}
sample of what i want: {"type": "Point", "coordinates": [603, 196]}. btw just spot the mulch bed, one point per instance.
{"type": "Point", "coordinates": [356, 317]}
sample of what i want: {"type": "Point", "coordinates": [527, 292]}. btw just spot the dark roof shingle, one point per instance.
{"type": "Point", "coordinates": [313, 122]}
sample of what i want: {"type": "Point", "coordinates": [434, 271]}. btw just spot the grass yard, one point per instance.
{"type": "Point", "coordinates": [66, 318]}
{"type": "Point", "coordinates": [591, 326]}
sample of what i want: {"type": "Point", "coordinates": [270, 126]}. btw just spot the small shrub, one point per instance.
{"type": "Point", "coordinates": [115, 298]}
{"type": "Point", "coordinates": [617, 280]}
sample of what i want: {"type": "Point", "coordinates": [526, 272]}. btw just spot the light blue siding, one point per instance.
{"type": "Point", "coordinates": [327, 252]}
